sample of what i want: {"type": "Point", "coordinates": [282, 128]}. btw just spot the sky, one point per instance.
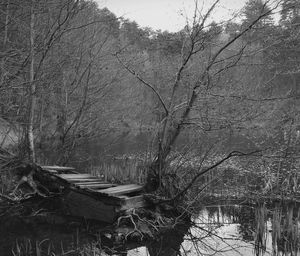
{"type": "Point", "coordinates": [167, 14]}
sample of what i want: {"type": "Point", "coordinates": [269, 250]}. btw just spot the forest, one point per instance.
{"type": "Point", "coordinates": [208, 112]}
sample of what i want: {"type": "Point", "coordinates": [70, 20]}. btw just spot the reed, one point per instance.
{"type": "Point", "coordinates": [121, 171]}
{"type": "Point", "coordinates": [260, 237]}
{"type": "Point", "coordinates": [46, 247]}
{"type": "Point", "coordinates": [285, 230]}
{"type": "Point", "coordinates": [290, 232]}
{"type": "Point", "coordinates": [276, 229]}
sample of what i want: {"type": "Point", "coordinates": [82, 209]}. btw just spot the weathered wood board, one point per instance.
{"type": "Point", "coordinates": [97, 185]}
{"type": "Point", "coordinates": [75, 176]}
{"type": "Point", "coordinates": [89, 182]}
{"type": "Point", "coordinates": [84, 180]}
{"type": "Point", "coordinates": [122, 189]}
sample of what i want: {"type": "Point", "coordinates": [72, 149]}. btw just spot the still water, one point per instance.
{"type": "Point", "coordinates": [229, 230]}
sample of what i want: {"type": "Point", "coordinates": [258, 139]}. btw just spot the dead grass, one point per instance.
{"type": "Point", "coordinates": [121, 171]}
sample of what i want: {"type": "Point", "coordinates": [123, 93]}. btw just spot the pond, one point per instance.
{"type": "Point", "coordinates": [229, 229]}
{"type": "Point", "coordinates": [264, 229]}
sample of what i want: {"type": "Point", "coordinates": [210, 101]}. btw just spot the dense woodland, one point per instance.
{"type": "Point", "coordinates": [219, 97]}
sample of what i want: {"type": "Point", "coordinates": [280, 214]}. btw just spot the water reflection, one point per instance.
{"type": "Point", "coordinates": [264, 229]}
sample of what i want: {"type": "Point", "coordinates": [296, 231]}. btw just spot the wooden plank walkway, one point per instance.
{"type": "Point", "coordinates": [91, 197]}
{"type": "Point", "coordinates": [95, 184]}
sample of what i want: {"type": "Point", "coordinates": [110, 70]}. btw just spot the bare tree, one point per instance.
{"type": "Point", "coordinates": [30, 135]}
{"type": "Point", "coordinates": [177, 109]}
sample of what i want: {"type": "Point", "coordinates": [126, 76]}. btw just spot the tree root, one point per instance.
{"type": "Point", "coordinates": [28, 179]}
{"type": "Point", "coordinates": [7, 198]}
{"type": "Point", "coordinates": [134, 225]}
{"type": "Point", "coordinates": [146, 224]}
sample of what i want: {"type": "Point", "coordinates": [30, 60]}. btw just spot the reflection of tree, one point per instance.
{"type": "Point", "coordinates": [242, 215]}
{"type": "Point", "coordinates": [285, 229]}
{"type": "Point", "coordinates": [212, 212]}
{"type": "Point", "coordinates": [247, 223]}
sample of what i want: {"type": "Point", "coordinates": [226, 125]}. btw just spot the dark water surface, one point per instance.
{"type": "Point", "coordinates": [264, 229]}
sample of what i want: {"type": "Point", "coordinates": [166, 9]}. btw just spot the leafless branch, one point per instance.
{"type": "Point", "coordinates": [131, 71]}
{"type": "Point", "coordinates": [230, 155]}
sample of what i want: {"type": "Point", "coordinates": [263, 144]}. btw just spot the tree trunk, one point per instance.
{"type": "Point", "coordinates": [32, 103]}
{"type": "Point", "coordinates": [171, 133]}
{"type": "Point", "coordinates": [61, 97]}
{"type": "Point", "coordinates": [4, 42]}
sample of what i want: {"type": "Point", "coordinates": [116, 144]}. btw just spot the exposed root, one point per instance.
{"type": "Point", "coordinates": [135, 229]}
{"type": "Point", "coordinates": [7, 198]}
{"type": "Point", "coordinates": [28, 179]}
{"type": "Point", "coordinates": [146, 223]}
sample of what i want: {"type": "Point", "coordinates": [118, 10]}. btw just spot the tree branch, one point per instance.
{"type": "Point", "coordinates": [230, 42]}
{"type": "Point", "coordinates": [144, 82]}
{"type": "Point", "coordinates": [230, 155]}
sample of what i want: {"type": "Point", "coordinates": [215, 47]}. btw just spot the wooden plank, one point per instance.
{"type": "Point", "coordinates": [75, 176]}
{"type": "Point", "coordinates": [58, 168]}
{"type": "Point", "coordinates": [122, 189]}
{"type": "Point", "coordinates": [126, 187]}
{"type": "Point", "coordinates": [89, 182]}
{"type": "Point", "coordinates": [99, 185]}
